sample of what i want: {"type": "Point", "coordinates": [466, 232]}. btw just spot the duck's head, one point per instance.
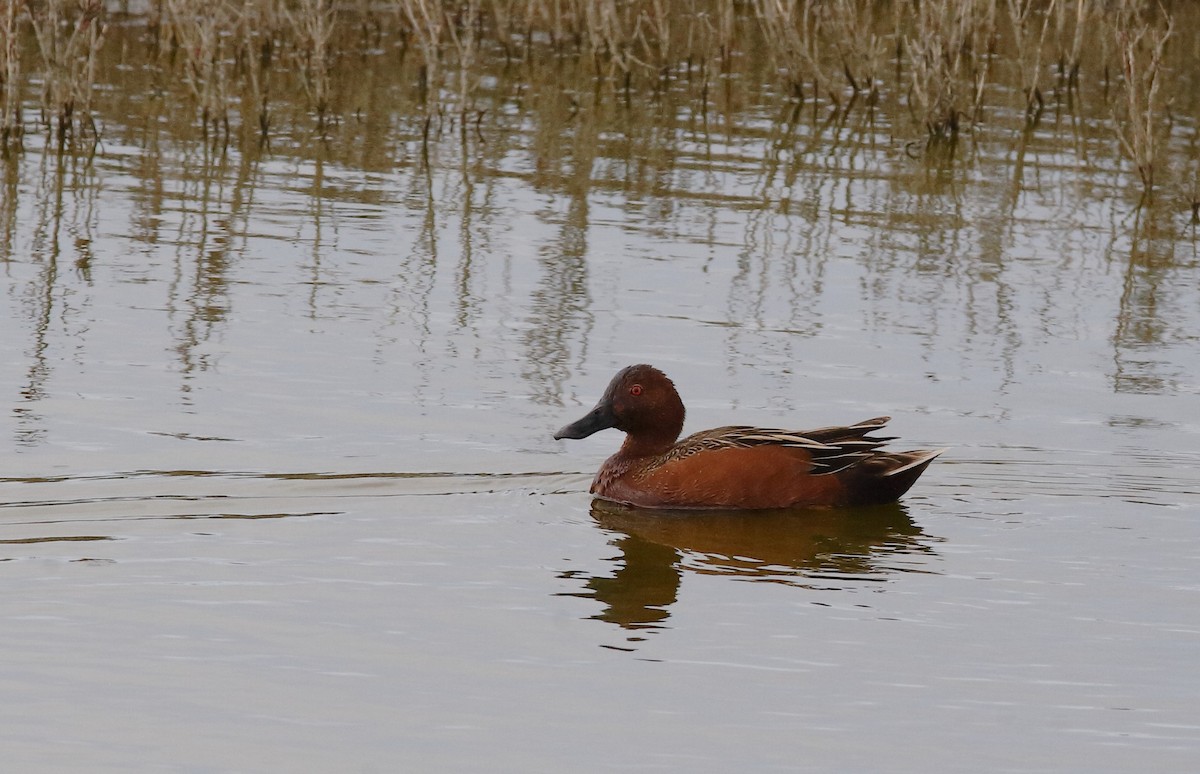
{"type": "Point", "coordinates": [641, 401]}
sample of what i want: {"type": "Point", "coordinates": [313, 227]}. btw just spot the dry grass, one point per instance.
{"type": "Point", "coordinates": [10, 75]}
{"type": "Point", "coordinates": [948, 49]}
{"type": "Point", "coordinates": [1029, 41]}
{"type": "Point", "coordinates": [943, 63]}
{"type": "Point", "coordinates": [1072, 19]}
{"type": "Point", "coordinates": [1141, 41]}
{"type": "Point", "coordinates": [312, 25]}
{"type": "Point", "coordinates": [825, 43]}
{"type": "Point", "coordinates": [69, 37]}
{"type": "Point", "coordinates": [195, 33]}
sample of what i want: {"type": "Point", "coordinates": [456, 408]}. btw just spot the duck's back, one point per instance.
{"type": "Point", "coordinates": [753, 467]}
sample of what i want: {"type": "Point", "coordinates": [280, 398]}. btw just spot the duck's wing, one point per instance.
{"type": "Point", "coordinates": [831, 449]}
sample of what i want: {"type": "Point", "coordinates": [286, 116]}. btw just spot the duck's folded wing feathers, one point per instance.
{"type": "Point", "coordinates": [832, 449]}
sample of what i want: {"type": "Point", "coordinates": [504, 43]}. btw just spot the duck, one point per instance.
{"type": "Point", "coordinates": [736, 467]}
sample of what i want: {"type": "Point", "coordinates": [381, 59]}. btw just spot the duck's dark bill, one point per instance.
{"type": "Point", "coordinates": [599, 418]}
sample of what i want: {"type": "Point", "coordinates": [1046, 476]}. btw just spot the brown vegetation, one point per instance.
{"type": "Point", "coordinates": [69, 37]}
{"type": "Point", "coordinates": [939, 67]}
{"type": "Point", "coordinates": [1140, 47]}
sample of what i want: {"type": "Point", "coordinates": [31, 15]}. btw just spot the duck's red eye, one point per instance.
{"type": "Point", "coordinates": [635, 390]}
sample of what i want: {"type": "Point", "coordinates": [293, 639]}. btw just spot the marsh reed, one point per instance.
{"type": "Point", "coordinates": [948, 48]}
{"type": "Point", "coordinates": [1029, 42]}
{"type": "Point", "coordinates": [198, 33]}
{"type": "Point", "coordinates": [69, 38]}
{"type": "Point", "coordinates": [10, 76]}
{"type": "Point", "coordinates": [939, 69]}
{"type": "Point", "coordinates": [311, 23]}
{"type": "Point", "coordinates": [1141, 46]}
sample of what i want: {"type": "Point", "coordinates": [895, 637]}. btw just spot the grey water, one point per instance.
{"type": "Point", "coordinates": [279, 491]}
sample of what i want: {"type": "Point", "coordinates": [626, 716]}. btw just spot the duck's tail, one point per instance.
{"type": "Point", "coordinates": [885, 476]}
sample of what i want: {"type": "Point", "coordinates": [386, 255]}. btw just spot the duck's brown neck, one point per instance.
{"type": "Point", "coordinates": [646, 444]}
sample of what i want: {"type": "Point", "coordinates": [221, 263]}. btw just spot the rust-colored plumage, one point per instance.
{"type": "Point", "coordinates": [735, 466]}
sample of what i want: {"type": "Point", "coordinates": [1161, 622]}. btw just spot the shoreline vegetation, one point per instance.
{"type": "Point", "coordinates": [938, 71]}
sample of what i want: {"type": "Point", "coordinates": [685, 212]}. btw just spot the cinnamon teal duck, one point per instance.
{"type": "Point", "coordinates": [736, 467]}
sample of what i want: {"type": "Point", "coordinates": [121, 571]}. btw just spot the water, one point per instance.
{"type": "Point", "coordinates": [280, 494]}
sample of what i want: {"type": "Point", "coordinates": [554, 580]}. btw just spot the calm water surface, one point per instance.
{"type": "Point", "coordinates": [279, 491]}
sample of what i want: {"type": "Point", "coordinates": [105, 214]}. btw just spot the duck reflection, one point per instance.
{"type": "Point", "coordinates": [811, 548]}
